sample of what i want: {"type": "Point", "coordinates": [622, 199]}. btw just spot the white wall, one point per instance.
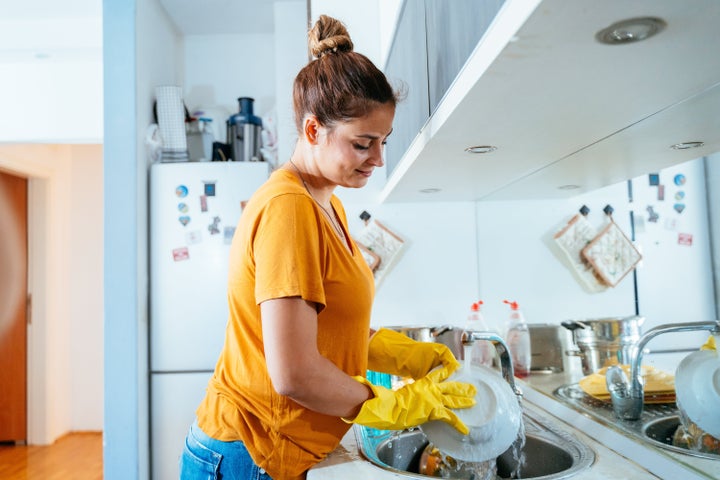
{"type": "Point", "coordinates": [159, 60]}
{"type": "Point", "coordinates": [220, 68]}
{"type": "Point", "coordinates": [435, 281]}
{"type": "Point", "coordinates": [58, 99]}
{"type": "Point", "coordinates": [86, 296]}
{"type": "Point", "coordinates": [290, 57]}
{"type": "Point", "coordinates": [459, 252]}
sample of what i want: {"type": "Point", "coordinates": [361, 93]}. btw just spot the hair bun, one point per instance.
{"type": "Point", "coordinates": [328, 35]}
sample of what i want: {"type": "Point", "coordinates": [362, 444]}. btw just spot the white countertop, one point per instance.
{"type": "Point", "coordinates": [616, 455]}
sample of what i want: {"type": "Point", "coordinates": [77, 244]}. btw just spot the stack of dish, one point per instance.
{"type": "Point", "coordinates": [659, 385]}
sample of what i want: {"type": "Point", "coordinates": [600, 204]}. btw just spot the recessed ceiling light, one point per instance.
{"type": "Point", "coordinates": [686, 145]}
{"type": "Point", "coordinates": [568, 187]}
{"type": "Point", "coordinates": [429, 190]}
{"type": "Point", "coordinates": [630, 30]}
{"type": "Point", "coordinates": [481, 149]}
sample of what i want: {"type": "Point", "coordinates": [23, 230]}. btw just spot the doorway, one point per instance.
{"type": "Point", "coordinates": [13, 307]}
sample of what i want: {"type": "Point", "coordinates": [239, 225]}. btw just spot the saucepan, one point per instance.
{"type": "Point", "coordinates": [603, 341]}
{"type": "Point", "coordinates": [445, 334]}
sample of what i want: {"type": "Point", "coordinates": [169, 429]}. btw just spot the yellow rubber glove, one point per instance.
{"type": "Point", "coordinates": [710, 344]}
{"type": "Point", "coordinates": [414, 404]}
{"type": "Point", "coordinates": [394, 353]}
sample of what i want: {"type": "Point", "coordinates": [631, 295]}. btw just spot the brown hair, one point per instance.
{"type": "Point", "coordinates": [339, 83]}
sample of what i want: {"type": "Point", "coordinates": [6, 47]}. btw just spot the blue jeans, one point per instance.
{"type": "Point", "coordinates": [205, 458]}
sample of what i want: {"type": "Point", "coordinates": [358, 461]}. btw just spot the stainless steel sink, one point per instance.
{"type": "Point", "coordinates": [656, 425]}
{"type": "Point", "coordinates": [549, 453]}
{"type": "Point", "coordinates": [660, 432]}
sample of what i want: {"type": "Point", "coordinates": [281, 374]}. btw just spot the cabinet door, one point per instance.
{"type": "Point", "coordinates": [407, 69]}
{"type": "Point", "coordinates": [453, 31]}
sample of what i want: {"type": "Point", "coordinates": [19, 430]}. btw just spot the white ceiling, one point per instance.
{"type": "Point", "coordinates": [238, 16]}
{"type": "Point", "coordinates": [59, 9]}
{"type": "Point", "coordinates": [50, 30]}
{"type": "Point", "coordinates": [69, 30]}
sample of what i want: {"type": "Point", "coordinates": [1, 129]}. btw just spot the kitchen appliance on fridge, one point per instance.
{"type": "Point", "coordinates": [194, 208]}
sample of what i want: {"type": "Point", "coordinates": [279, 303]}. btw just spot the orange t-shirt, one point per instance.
{"type": "Point", "coordinates": [284, 247]}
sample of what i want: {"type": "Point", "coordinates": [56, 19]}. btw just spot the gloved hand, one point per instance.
{"type": "Point", "coordinates": [710, 344]}
{"type": "Point", "coordinates": [394, 353]}
{"type": "Point", "coordinates": [416, 403]}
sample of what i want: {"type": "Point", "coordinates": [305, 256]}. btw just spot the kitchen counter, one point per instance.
{"type": "Point", "coordinates": [617, 455]}
{"type": "Point", "coordinates": [666, 464]}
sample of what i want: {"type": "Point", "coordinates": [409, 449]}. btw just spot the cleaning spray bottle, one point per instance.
{"type": "Point", "coordinates": [518, 340]}
{"type": "Point", "coordinates": [483, 352]}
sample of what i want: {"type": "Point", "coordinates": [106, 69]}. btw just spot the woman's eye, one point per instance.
{"type": "Point", "coordinates": [360, 147]}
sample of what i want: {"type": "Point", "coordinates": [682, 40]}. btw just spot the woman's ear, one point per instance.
{"type": "Point", "coordinates": [311, 129]}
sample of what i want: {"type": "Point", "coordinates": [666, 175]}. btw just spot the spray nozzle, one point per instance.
{"type": "Point", "coordinates": [475, 307]}
{"type": "Point", "coordinates": [513, 305]}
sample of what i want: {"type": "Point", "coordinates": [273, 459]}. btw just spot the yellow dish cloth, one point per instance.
{"type": "Point", "coordinates": [659, 385]}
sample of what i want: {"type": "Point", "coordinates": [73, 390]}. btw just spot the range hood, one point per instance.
{"type": "Point", "coordinates": [567, 113]}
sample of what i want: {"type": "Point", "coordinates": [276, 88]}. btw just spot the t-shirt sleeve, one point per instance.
{"type": "Point", "coordinates": [288, 251]}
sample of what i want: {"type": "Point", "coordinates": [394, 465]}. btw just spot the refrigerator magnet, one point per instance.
{"type": "Point", "coordinates": [181, 191]}
{"type": "Point", "coordinates": [661, 193]}
{"type": "Point", "coordinates": [193, 237]}
{"type": "Point", "coordinates": [228, 233]}
{"type": "Point", "coordinates": [210, 188]}
{"type": "Point", "coordinates": [652, 214]}
{"type": "Point", "coordinates": [679, 207]}
{"type": "Point", "coordinates": [184, 220]}
{"type": "Point", "coordinates": [180, 254]}
{"type": "Point", "coordinates": [203, 203]}
{"type": "Point", "coordinates": [685, 239]}
{"type": "Point", "coordinates": [182, 207]}
{"type": "Point", "coordinates": [679, 195]}
{"type": "Point", "coordinates": [654, 179]}
{"type": "Point", "coordinates": [214, 227]}
{"type": "Point", "coordinates": [679, 179]}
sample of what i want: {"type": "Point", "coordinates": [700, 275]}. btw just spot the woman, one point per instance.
{"type": "Point", "coordinates": [290, 378]}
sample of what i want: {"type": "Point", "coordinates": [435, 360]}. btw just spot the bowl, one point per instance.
{"type": "Point", "coordinates": [494, 421]}
{"type": "Point", "coordinates": [697, 389]}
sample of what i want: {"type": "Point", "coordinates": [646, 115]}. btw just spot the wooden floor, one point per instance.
{"type": "Point", "coordinates": [75, 456]}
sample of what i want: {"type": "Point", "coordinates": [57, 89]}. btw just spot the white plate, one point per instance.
{"type": "Point", "coordinates": [494, 421]}
{"type": "Point", "coordinates": [697, 388]}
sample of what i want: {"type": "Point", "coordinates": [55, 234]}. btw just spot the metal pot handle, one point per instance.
{"type": "Point", "coordinates": [574, 353]}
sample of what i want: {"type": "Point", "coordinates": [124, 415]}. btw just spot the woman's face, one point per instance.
{"type": "Point", "coordinates": [348, 153]}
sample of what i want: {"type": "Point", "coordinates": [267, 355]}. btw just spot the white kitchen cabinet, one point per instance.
{"type": "Point", "coordinates": [453, 30]}
{"type": "Point", "coordinates": [567, 113]}
{"type": "Point", "coordinates": [407, 70]}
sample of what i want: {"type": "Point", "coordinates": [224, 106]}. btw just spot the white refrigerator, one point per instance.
{"type": "Point", "coordinates": [194, 208]}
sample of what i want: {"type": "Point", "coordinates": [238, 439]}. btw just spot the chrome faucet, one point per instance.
{"type": "Point", "coordinates": [628, 396]}
{"type": "Point", "coordinates": [506, 367]}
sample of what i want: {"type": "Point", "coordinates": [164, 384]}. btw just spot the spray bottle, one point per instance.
{"type": "Point", "coordinates": [483, 352]}
{"type": "Point", "coordinates": [518, 340]}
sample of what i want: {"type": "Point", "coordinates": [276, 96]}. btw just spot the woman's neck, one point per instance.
{"type": "Point", "coordinates": [318, 187]}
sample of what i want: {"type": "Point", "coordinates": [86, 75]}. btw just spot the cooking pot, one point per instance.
{"type": "Point", "coordinates": [603, 341]}
{"type": "Point", "coordinates": [445, 334]}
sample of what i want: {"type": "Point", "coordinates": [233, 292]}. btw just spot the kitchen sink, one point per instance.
{"type": "Point", "coordinates": [548, 453]}
{"type": "Point", "coordinates": [661, 432]}
{"type": "Point", "coordinates": [656, 426]}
